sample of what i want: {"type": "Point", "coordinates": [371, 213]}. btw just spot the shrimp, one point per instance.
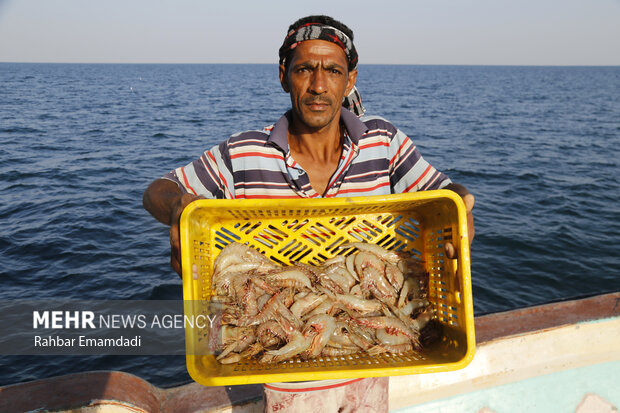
{"type": "Point", "coordinates": [248, 299]}
{"type": "Point", "coordinates": [371, 270]}
{"type": "Point", "coordinates": [412, 267]}
{"type": "Point", "coordinates": [389, 256]}
{"type": "Point", "coordinates": [289, 278]}
{"type": "Point", "coordinates": [330, 285]}
{"type": "Point", "coordinates": [358, 304]}
{"type": "Point", "coordinates": [270, 333]}
{"type": "Point", "coordinates": [360, 300]}
{"type": "Point", "coordinates": [357, 291]}
{"type": "Point", "coordinates": [362, 337]}
{"type": "Point", "coordinates": [336, 259]}
{"type": "Point", "coordinates": [243, 337]}
{"type": "Point", "coordinates": [341, 276]}
{"type": "Point", "coordinates": [410, 286]}
{"type": "Point", "coordinates": [232, 334]}
{"type": "Point", "coordinates": [387, 348]}
{"type": "Point", "coordinates": [236, 257]}
{"type": "Point", "coordinates": [391, 339]}
{"type": "Point", "coordinates": [275, 305]}
{"type": "Point", "coordinates": [391, 324]}
{"type": "Point", "coordinates": [396, 312]}
{"type": "Point", "coordinates": [340, 340]}
{"type": "Point", "coordinates": [350, 264]}
{"type": "Point", "coordinates": [423, 319]}
{"type": "Point", "coordinates": [233, 358]}
{"type": "Point", "coordinates": [222, 282]}
{"type": "Point", "coordinates": [337, 352]}
{"type": "Point", "coordinates": [325, 307]}
{"type": "Point", "coordinates": [344, 337]}
{"type": "Point", "coordinates": [394, 275]}
{"type": "Point", "coordinates": [262, 300]}
{"type": "Point", "coordinates": [300, 295]}
{"type": "Point", "coordinates": [307, 304]}
{"type": "Point", "coordinates": [325, 326]}
{"type": "Point", "coordinates": [296, 343]}
{"type": "Point", "coordinates": [413, 305]}
{"type": "Point", "coordinates": [231, 314]}
{"type": "Point", "coordinates": [252, 350]}
{"type": "Point", "coordinates": [260, 283]}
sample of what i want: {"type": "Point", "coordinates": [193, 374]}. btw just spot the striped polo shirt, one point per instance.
{"type": "Point", "coordinates": [377, 159]}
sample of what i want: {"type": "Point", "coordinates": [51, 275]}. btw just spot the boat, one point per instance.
{"type": "Point", "coordinates": [557, 357]}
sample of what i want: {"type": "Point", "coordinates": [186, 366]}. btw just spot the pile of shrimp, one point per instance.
{"type": "Point", "coordinates": [373, 300]}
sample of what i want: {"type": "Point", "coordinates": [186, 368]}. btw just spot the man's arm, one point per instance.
{"type": "Point", "coordinates": [165, 201]}
{"type": "Point", "coordinates": [469, 201]}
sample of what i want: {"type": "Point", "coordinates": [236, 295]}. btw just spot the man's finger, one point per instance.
{"type": "Point", "coordinates": [469, 201]}
{"type": "Point", "coordinates": [450, 250]}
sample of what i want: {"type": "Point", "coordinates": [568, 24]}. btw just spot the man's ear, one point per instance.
{"type": "Point", "coordinates": [283, 80]}
{"type": "Point", "coordinates": [351, 81]}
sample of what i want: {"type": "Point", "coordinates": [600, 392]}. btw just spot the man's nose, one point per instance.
{"type": "Point", "coordinates": [318, 83]}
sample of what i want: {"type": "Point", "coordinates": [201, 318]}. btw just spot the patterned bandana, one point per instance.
{"type": "Point", "coordinates": [317, 31]}
{"type": "Point", "coordinates": [353, 102]}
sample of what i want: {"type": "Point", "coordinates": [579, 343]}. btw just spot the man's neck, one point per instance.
{"type": "Point", "coordinates": [318, 152]}
{"type": "Point", "coordinates": [320, 145]}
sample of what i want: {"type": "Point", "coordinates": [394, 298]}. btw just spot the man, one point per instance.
{"type": "Point", "coordinates": [317, 149]}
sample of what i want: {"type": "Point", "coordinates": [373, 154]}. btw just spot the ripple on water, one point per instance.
{"type": "Point", "coordinates": [537, 146]}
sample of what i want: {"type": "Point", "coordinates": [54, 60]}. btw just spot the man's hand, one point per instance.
{"type": "Point", "coordinates": [469, 201]}
{"type": "Point", "coordinates": [175, 230]}
{"type": "Point", "coordinates": [165, 201]}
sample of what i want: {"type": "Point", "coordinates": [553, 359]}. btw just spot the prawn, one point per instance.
{"type": "Point", "coordinates": [350, 264]}
{"type": "Point", "coordinates": [394, 275]}
{"type": "Point", "coordinates": [411, 286]}
{"type": "Point", "coordinates": [337, 352]}
{"type": "Point", "coordinates": [413, 305]}
{"type": "Point", "coordinates": [270, 333]}
{"type": "Point", "coordinates": [341, 276]}
{"type": "Point", "coordinates": [324, 325]}
{"type": "Point", "coordinates": [296, 343]}
{"type": "Point", "coordinates": [391, 324]}
{"type": "Point", "coordinates": [275, 305]}
{"type": "Point", "coordinates": [233, 358]}
{"type": "Point", "coordinates": [371, 270]}
{"type": "Point", "coordinates": [423, 319]}
{"type": "Point", "coordinates": [307, 303]}
{"type": "Point", "coordinates": [237, 257]}
{"type": "Point", "coordinates": [389, 256]}
{"type": "Point", "coordinates": [294, 278]}
{"type": "Point", "coordinates": [391, 339]}
{"type": "Point", "coordinates": [361, 305]}
{"type": "Point", "coordinates": [387, 348]}
{"type": "Point", "coordinates": [242, 339]}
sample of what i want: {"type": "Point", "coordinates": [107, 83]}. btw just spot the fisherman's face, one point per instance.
{"type": "Point", "coordinates": [317, 79]}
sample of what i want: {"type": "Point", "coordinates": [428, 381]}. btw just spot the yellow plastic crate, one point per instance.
{"type": "Point", "coordinates": [310, 231]}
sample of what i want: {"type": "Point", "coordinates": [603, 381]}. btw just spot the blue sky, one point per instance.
{"type": "Point", "coordinates": [498, 32]}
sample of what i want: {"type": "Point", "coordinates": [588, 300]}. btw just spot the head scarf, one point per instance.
{"type": "Point", "coordinates": [318, 31]}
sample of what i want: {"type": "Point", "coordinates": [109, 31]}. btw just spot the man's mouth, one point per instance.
{"type": "Point", "coordinates": [318, 104]}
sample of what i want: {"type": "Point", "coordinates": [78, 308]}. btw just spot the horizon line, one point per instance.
{"type": "Point", "coordinates": [275, 64]}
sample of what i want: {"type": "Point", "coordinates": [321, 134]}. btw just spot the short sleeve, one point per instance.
{"type": "Point", "coordinates": [409, 171]}
{"type": "Point", "coordinates": [208, 176]}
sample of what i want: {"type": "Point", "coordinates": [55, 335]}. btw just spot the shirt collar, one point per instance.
{"type": "Point", "coordinates": [279, 134]}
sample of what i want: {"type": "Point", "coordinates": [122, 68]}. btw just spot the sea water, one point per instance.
{"type": "Point", "coordinates": [537, 146]}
